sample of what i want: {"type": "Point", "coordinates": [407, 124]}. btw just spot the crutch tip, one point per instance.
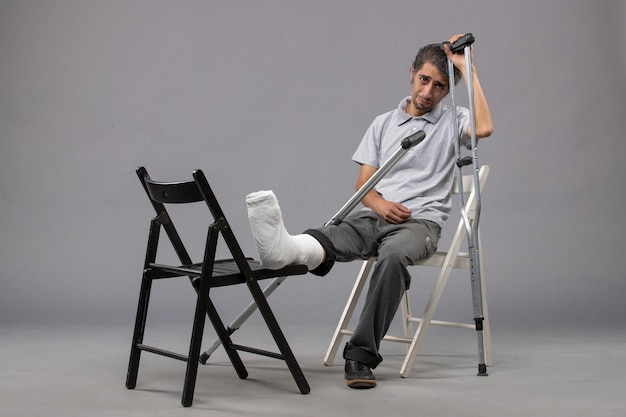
{"type": "Point", "coordinates": [482, 370]}
{"type": "Point", "coordinates": [203, 358]}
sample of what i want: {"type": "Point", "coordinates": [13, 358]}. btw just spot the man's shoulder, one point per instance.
{"type": "Point", "coordinates": [385, 118]}
{"type": "Point", "coordinates": [391, 117]}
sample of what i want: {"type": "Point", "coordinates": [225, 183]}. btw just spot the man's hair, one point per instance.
{"type": "Point", "coordinates": [435, 55]}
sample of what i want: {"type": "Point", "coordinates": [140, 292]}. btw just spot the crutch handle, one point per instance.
{"type": "Point", "coordinates": [459, 45]}
{"type": "Point", "coordinates": [468, 160]}
{"type": "Point", "coordinates": [415, 139]}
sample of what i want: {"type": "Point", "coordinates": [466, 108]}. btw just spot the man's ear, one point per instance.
{"type": "Point", "coordinates": [411, 75]}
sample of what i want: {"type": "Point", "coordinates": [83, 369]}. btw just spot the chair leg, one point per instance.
{"type": "Point", "coordinates": [224, 337]}
{"type": "Point", "coordinates": [424, 324]}
{"type": "Point", "coordinates": [138, 333]}
{"type": "Point", "coordinates": [195, 344]}
{"type": "Point", "coordinates": [279, 338]}
{"type": "Point", "coordinates": [344, 321]}
{"type": "Point", "coordinates": [407, 324]}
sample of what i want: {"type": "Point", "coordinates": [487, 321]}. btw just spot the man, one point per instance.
{"type": "Point", "coordinates": [403, 214]}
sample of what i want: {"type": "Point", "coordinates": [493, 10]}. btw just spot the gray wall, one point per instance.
{"type": "Point", "coordinates": [277, 94]}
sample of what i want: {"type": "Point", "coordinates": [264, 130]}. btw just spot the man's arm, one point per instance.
{"type": "Point", "coordinates": [392, 212]}
{"type": "Point", "coordinates": [482, 113]}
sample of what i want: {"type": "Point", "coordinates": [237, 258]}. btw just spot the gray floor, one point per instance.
{"type": "Point", "coordinates": [80, 370]}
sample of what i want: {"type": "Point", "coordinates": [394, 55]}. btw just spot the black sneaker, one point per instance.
{"type": "Point", "coordinates": [359, 375]}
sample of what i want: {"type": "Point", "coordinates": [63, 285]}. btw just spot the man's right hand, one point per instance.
{"type": "Point", "coordinates": [394, 213]}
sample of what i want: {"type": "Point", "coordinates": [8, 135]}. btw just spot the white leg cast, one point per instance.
{"type": "Point", "coordinates": [276, 247]}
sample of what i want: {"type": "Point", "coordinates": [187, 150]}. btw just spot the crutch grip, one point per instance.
{"type": "Point", "coordinates": [415, 139]}
{"type": "Point", "coordinates": [459, 45]}
{"type": "Point", "coordinates": [464, 161]}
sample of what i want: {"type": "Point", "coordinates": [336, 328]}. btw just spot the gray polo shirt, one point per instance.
{"type": "Point", "coordinates": [422, 179]}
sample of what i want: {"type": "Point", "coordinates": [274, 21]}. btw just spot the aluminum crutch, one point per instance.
{"type": "Point", "coordinates": [406, 144]}
{"type": "Point", "coordinates": [463, 45]}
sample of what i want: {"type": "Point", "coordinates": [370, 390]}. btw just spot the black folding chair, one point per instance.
{"type": "Point", "coordinates": [203, 276]}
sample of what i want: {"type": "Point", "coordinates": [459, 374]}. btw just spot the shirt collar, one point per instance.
{"type": "Point", "coordinates": [431, 117]}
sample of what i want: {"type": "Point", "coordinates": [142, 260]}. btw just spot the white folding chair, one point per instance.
{"type": "Point", "coordinates": [446, 261]}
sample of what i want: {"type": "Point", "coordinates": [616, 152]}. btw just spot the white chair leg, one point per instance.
{"type": "Point", "coordinates": [407, 324]}
{"type": "Point", "coordinates": [425, 321]}
{"type": "Point", "coordinates": [433, 301]}
{"type": "Point", "coordinates": [342, 327]}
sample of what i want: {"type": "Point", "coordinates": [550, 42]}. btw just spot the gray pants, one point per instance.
{"type": "Point", "coordinates": [365, 234]}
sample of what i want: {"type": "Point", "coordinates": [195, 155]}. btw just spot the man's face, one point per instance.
{"type": "Point", "coordinates": [429, 87]}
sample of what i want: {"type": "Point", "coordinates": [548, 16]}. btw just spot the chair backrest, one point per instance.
{"type": "Point", "coordinates": [187, 192]}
